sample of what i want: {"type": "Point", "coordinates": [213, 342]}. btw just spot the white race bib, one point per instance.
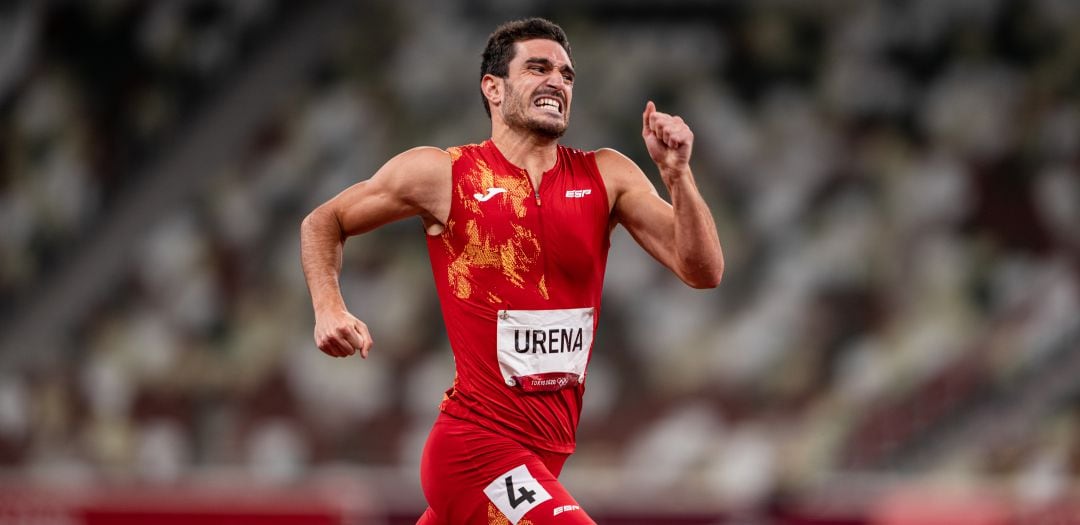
{"type": "Point", "coordinates": [516, 492]}
{"type": "Point", "coordinates": [544, 350]}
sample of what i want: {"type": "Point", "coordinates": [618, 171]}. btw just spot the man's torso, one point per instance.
{"type": "Point", "coordinates": [519, 274]}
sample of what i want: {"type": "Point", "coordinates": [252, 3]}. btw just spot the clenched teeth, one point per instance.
{"type": "Point", "coordinates": [548, 102]}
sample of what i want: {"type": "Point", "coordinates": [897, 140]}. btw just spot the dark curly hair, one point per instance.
{"type": "Point", "coordinates": [500, 45]}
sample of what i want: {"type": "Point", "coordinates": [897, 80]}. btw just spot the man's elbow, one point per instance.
{"type": "Point", "coordinates": [310, 222]}
{"type": "Point", "coordinates": [320, 219]}
{"type": "Point", "coordinates": [706, 278]}
{"type": "Point", "coordinates": [707, 282]}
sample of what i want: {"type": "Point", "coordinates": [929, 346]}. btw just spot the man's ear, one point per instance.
{"type": "Point", "coordinates": [492, 87]}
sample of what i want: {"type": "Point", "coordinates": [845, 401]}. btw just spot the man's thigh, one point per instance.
{"type": "Point", "coordinates": [473, 476]}
{"type": "Point", "coordinates": [528, 494]}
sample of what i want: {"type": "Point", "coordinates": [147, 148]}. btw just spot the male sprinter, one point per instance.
{"type": "Point", "coordinates": [518, 230]}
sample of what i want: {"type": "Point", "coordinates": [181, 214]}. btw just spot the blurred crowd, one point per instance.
{"type": "Point", "coordinates": [895, 183]}
{"type": "Point", "coordinates": [90, 91]}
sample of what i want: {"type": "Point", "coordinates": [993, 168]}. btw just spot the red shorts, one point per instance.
{"type": "Point", "coordinates": [472, 475]}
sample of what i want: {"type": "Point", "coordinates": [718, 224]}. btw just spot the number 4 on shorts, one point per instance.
{"type": "Point", "coordinates": [516, 492]}
{"type": "Point", "coordinates": [526, 495]}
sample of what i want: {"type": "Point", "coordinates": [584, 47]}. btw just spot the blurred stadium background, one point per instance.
{"type": "Point", "coordinates": [897, 338]}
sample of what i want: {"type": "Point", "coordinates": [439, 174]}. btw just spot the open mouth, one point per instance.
{"type": "Point", "coordinates": [549, 104]}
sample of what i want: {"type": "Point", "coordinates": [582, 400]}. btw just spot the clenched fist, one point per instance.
{"type": "Point", "coordinates": [339, 334]}
{"type": "Point", "coordinates": [669, 141]}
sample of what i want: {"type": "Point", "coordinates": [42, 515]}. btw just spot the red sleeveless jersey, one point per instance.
{"type": "Point", "coordinates": [519, 275]}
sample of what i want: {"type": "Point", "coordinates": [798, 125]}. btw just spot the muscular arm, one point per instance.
{"type": "Point", "coordinates": [681, 235]}
{"type": "Point", "coordinates": [416, 182]}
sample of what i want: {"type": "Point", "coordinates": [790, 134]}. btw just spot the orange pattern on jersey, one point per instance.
{"type": "Point", "coordinates": [513, 258]}
{"type": "Point", "coordinates": [518, 254]}
{"type": "Point", "coordinates": [496, 517]}
{"type": "Point", "coordinates": [543, 287]}
{"type": "Point", "coordinates": [481, 176]}
{"type": "Point", "coordinates": [471, 205]}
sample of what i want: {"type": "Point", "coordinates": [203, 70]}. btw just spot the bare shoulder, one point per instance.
{"type": "Point", "coordinates": [420, 162]}
{"type": "Point", "coordinates": [619, 172]}
{"type": "Point", "coordinates": [429, 154]}
{"type": "Point", "coordinates": [415, 173]}
{"type": "Point", "coordinates": [612, 163]}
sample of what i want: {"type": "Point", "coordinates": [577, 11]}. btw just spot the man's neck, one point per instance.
{"type": "Point", "coordinates": [534, 153]}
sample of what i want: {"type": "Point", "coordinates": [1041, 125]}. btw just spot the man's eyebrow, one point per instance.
{"type": "Point", "coordinates": [548, 63]}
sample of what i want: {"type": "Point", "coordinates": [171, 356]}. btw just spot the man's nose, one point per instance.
{"type": "Point", "coordinates": [556, 79]}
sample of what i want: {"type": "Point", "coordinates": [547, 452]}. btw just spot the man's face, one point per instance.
{"type": "Point", "coordinates": [539, 87]}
